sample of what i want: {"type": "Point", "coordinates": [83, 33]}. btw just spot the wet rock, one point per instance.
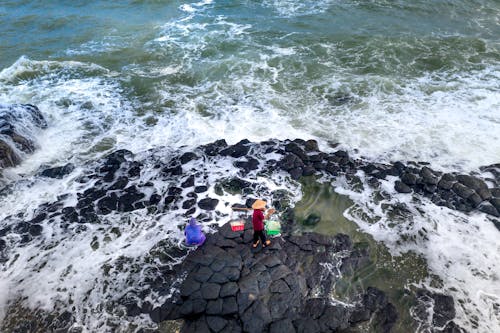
{"type": "Point", "coordinates": [175, 170]}
{"type": "Point", "coordinates": [248, 165]}
{"type": "Point", "coordinates": [238, 150]}
{"type": "Point", "coordinates": [312, 219]}
{"type": "Point", "coordinates": [445, 184]}
{"type": "Point", "coordinates": [295, 149]}
{"type": "Point", "coordinates": [200, 189]}
{"type": "Point", "coordinates": [3, 245]}
{"type": "Point", "coordinates": [444, 309]}
{"type": "Point", "coordinates": [290, 161]}
{"type": "Point", "coordinates": [428, 176]}
{"type": "Point", "coordinates": [8, 156]}
{"type": "Point", "coordinates": [402, 187]}
{"type": "Point", "coordinates": [496, 203]}
{"type": "Point", "coordinates": [16, 121]}
{"type": "Point", "coordinates": [58, 172]}
{"type": "Point", "coordinates": [189, 182]}
{"type": "Point", "coordinates": [235, 185]}
{"type": "Point", "coordinates": [308, 170]}
{"type": "Point", "coordinates": [214, 148]}
{"type": "Point", "coordinates": [409, 178]}
{"type": "Point", "coordinates": [296, 173]}
{"type": "Point", "coordinates": [188, 157]}
{"type": "Point", "coordinates": [385, 318]}
{"type": "Point", "coordinates": [488, 208]}
{"type": "Point", "coordinates": [35, 230]}
{"type": "Point", "coordinates": [311, 145]}
{"type": "Point", "coordinates": [208, 203]}
{"type": "Point", "coordinates": [462, 190]}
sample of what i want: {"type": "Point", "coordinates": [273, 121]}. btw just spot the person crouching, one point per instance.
{"type": "Point", "coordinates": [259, 206]}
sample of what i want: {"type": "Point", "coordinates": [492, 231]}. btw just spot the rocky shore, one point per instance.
{"type": "Point", "coordinates": [230, 287]}
{"type": "Point", "coordinates": [17, 124]}
{"type": "Point", "coordinates": [227, 287]}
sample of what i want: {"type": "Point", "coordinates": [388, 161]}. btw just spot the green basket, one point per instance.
{"type": "Point", "coordinates": [273, 227]}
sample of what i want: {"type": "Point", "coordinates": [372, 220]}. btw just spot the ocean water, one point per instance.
{"type": "Point", "coordinates": [388, 80]}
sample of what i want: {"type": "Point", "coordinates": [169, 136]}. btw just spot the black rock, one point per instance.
{"type": "Point", "coordinates": [215, 323]}
{"type": "Point", "coordinates": [488, 208]}
{"type": "Point", "coordinates": [58, 172]}
{"type": "Point", "coordinates": [238, 150]}
{"type": "Point", "coordinates": [282, 326]}
{"type": "Point", "coordinates": [229, 305]}
{"type": "Point", "coordinates": [248, 165]}
{"type": "Point", "coordinates": [311, 145]}
{"type": "Point", "coordinates": [3, 244]}
{"type": "Point", "coordinates": [189, 286]}
{"type": "Point", "coordinates": [214, 306]}
{"type": "Point", "coordinates": [444, 309]}
{"type": "Point", "coordinates": [290, 161]}
{"type": "Point", "coordinates": [475, 199]}
{"type": "Point", "coordinates": [428, 176]}
{"type": "Point", "coordinates": [334, 318]}
{"type": "Point", "coordinates": [496, 203]}
{"type": "Point", "coordinates": [208, 203]}
{"type": "Point", "coordinates": [200, 189]}
{"type": "Point", "coordinates": [154, 199]}
{"type": "Point", "coordinates": [189, 182]}
{"type": "Point", "coordinates": [402, 187]}
{"type": "Point", "coordinates": [229, 289]}
{"type": "Point", "coordinates": [108, 204]}
{"type": "Point", "coordinates": [188, 203]}
{"type": "Point", "coordinates": [409, 178]}
{"type": "Point", "coordinates": [472, 182]}
{"type": "Point", "coordinates": [374, 299]}
{"type": "Point", "coordinates": [134, 169]}
{"type": "Point", "coordinates": [120, 183]}
{"type": "Point", "coordinates": [462, 190]}
{"type": "Point", "coordinates": [295, 173]}
{"type": "Point", "coordinates": [214, 148]}
{"type": "Point", "coordinates": [445, 184]}
{"type": "Point", "coordinates": [235, 185]}
{"type": "Point", "coordinates": [175, 170]}
{"type": "Point", "coordinates": [210, 290]}
{"type": "Point", "coordinates": [187, 157]}
{"type": "Point", "coordinates": [385, 318]}
{"type": "Point", "coordinates": [295, 149]}
{"type": "Point", "coordinates": [35, 229]}
{"type": "Point", "coordinates": [312, 219]}
{"type": "Point", "coordinates": [308, 170]}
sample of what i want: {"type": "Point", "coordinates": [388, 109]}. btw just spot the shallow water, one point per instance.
{"type": "Point", "coordinates": [397, 276]}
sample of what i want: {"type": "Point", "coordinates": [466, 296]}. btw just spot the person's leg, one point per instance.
{"type": "Point", "coordinates": [255, 238]}
{"type": "Point", "coordinates": [263, 238]}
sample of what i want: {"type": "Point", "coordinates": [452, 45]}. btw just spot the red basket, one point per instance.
{"type": "Point", "coordinates": [237, 226]}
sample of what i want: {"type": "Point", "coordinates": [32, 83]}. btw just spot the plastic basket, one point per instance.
{"type": "Point", "coordinates": [237, 225]}
{"type": "Point", "coordinates": [273, 227]}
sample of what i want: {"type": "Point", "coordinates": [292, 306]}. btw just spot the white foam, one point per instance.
{"type": "Point", "coordinates": [461, 249]}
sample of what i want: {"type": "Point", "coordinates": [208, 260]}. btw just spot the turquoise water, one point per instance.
{"type": "Point", "coordinates": [388, 80]}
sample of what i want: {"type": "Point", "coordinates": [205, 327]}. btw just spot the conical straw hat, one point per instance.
{"type": "Point", "coordinates": [259, 204]}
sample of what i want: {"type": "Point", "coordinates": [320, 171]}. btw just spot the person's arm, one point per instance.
{"type": "Point", "coordinates": [270, 212]}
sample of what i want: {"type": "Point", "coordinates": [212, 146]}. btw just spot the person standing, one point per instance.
{"type": "Point", "coordinates": [259, 207]}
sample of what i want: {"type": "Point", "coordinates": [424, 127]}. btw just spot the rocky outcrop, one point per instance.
{"type": "Point", "coordinates": [231, 287]}
{"type": "Point", "coordinates": [17, 125]}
